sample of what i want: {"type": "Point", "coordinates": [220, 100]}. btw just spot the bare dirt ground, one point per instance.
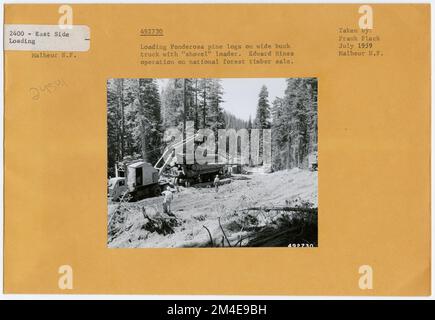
{"type": "Point", "coordinates": [205, 218]}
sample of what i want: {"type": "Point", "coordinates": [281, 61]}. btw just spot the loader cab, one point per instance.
{"type": "Point", "coordinates": [141, 174]}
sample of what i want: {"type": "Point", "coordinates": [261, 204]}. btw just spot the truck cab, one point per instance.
{"type": "Point", "coordinates": [116, 188]}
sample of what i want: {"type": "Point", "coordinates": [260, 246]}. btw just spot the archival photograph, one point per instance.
{"type": "Point", "coordinates": [212, 163]}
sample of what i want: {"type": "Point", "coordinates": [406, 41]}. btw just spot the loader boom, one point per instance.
{"type": "Point", "coordinates": [168, 153]}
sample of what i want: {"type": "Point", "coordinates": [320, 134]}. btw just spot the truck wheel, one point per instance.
{"type": "Point", "coordinates": [127, 197]}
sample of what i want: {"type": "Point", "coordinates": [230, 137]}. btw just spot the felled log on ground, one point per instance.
{"type": "Point", "coordinates": [285, 231]}
{"type": "Point", "coordinates": [162, 224]}
{"type": "Point", "coordinates": [295, 209]}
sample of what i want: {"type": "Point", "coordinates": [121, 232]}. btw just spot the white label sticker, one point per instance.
{"type": "Point", "coordinates": [32, 37]}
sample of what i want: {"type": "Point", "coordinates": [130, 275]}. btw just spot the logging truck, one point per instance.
{"type": "Point", "coordinates": [137, 179]}
{"type": "Point", "coordinates": [185, 168]}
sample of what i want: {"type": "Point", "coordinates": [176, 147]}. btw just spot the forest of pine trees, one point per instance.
{"type": "Point", "coordinates": [294, 124]}
{"type": "Point", "coordinates": [138, 114]}
{"type": "Point", "coordinates": [133, 120]}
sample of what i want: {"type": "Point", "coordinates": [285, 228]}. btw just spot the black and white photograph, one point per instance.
{"type": "Point", "coordinates": [212, 163]}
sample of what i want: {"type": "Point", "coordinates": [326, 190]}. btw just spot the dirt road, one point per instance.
{"type": "Point", "coordinates": [197, 207]}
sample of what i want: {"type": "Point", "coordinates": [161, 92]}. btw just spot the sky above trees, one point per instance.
{"type": "Point", "coordinates": [241, 95]}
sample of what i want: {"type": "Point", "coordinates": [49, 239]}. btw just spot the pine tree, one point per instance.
{"type": "Point", "coordinates": [196, 110]}
{"type": "Point", "coordinates": [148, 131]}
{"type": "Point", "coordinates": [113, 127]}
{"type": "Point", "coordinates": [294, 124]}
{"type": "Point", "coordinates": [130, 98]}
{"type": "Point", "coordinates": [216, 119]}
{"type": "Point", "coordinates": [173, 104]}
{"type": "Point", "coordinates": [203, 107]}
{"type": "Point", "coordinates": [312, 112]}
{"type": "Point", "coordinates": [249, 125]}
{"type": "Point", "coordinates": [279, 133]}
{"type": "Point", "coordinates": [262, 119]}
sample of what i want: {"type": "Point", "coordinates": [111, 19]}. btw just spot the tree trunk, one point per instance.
{"type": "Point", "coordinates": [121, 107]}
